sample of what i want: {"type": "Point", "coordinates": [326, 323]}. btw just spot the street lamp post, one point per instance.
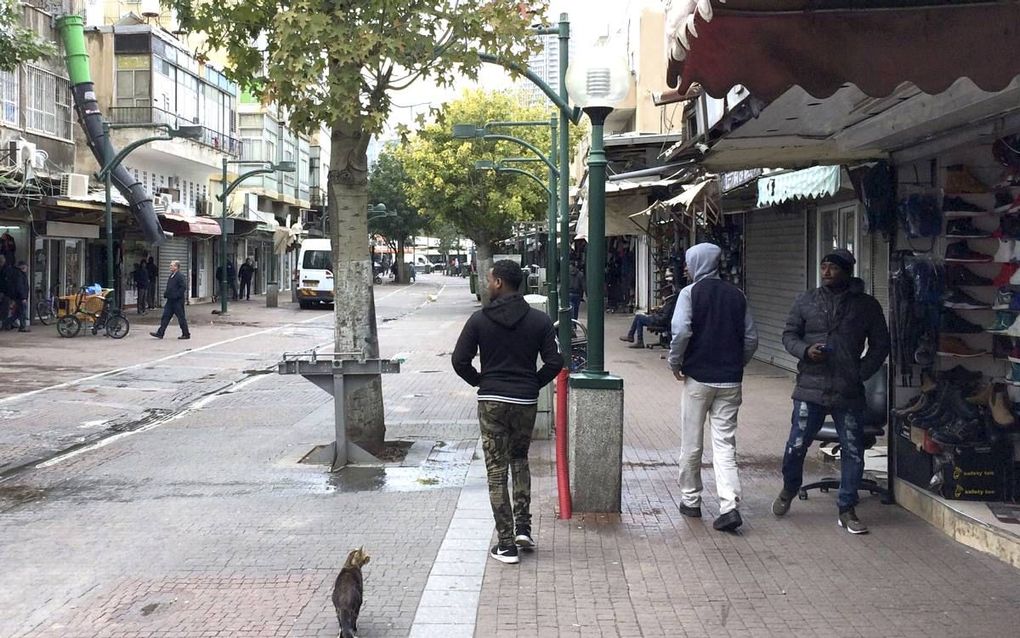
{"type": "Point", "coordinates": [470, 131]}
{"type": "Point", "coordinates": [225, 191]}
{"type": "Point", "coordinates": [106, 175]}
{"type": "Point", "coordinates": [597, 82]}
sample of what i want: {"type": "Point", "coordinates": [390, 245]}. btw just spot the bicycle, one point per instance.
{"type": "Point", "coordinates": [578, 345]}
{"type": "Point", "coordinates": [111, 320]}
{"type": "Point", "coordinates": [46, 309]}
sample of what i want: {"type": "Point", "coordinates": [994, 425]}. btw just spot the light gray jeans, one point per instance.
{"type": "Point", "coordinates": [720, 406]}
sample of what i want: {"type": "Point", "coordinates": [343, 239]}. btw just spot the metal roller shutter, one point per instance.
{"type": "Point", "coordinates": [776, 255]}
{"type": "Point", "coordinates": [174, 249]}
{"type": "Point", "coordinates": [880, 271]}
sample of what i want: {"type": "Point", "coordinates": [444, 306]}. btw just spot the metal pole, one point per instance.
{"type": "Point", "coordinates": [551, 271]}
{"type": "Point", "coordinates": [566, 328]}
{"type": "Point", "coordinates": [223, 240]}
{"type": "Point", "coordinates": [596, 242]}
{"type": "Point", "coordinates": [109, 237]}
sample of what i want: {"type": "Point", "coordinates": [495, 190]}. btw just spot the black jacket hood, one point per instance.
{"type": "Point", "coordinates": [507, 310]}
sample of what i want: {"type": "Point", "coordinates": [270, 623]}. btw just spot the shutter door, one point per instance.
{"type": "Point", "coordinates": [776, 255]}
{"type": "Point", "coordinates": [880, 271]}
{"type": "Point", "coordinates": [175, 249]}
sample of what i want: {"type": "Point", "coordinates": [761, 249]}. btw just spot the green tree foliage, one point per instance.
{"type": "Point", "coordinates": [19, 43]}
{"type": "Point", "coordinates": [337, 62]}
{"type": "Point", "coordinates": [387, 185]}
{"type": "Point", "coordinates": [482, 205]}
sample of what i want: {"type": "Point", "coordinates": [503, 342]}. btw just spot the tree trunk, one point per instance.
{"type": "Point", "coordinates": [401, 264]}
{"type": "Point", "coordinates": [484, 255]}
{"type": "Point", "coordinates": [356, 334]}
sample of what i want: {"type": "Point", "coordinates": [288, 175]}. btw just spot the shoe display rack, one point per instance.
{"type": "Point", "coordinates": [957, 433]}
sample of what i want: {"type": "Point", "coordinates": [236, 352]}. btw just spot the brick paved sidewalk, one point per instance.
{"type": "Point", "coordinates": [653, 572]}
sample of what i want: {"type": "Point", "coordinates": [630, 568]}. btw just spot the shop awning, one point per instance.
{"type": "Point", "coordinates": [691, 193]}
{"type": "Point", "coordinates": [817, 181]}
{"type": "Point", "coordinates": [821, 45]}
{"type": "Point", "coordinates": [182, 225]}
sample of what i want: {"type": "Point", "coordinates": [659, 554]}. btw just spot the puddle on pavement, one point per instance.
{"type": "Point", "coordinates": [394, 479]}
{"type": "Point", "coordinates": [20, 494]}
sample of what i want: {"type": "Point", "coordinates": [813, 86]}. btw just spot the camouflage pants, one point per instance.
{"type": "Point", "coordinates": [506, 437]}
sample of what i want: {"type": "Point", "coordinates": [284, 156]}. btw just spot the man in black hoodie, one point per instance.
{"type": "Point", "coordinates": [510, 336]}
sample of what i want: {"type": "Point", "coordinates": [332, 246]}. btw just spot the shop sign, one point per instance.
{"type": "Point", "coordinates": [66, 229]}
{"type": "Point", "coordinates": [734, 179]}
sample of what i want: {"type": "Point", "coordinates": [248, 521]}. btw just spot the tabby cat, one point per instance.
{"type": "Point", "coordinates": [348, 591]}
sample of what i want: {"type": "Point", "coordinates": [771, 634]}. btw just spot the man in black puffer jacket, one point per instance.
{"type": "Point", "coordinates": [510, 336]}
{"type": "Point", "coordinates": [827, 330]}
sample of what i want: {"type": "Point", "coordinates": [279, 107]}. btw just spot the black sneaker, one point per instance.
{"type": "Point", "coordinates": [953, 323]}
{"type": "Point", "coordinates": [961, 253]}
{"type": "Point", "coordinates": [963, 276]}
{"type": "Point", "coordinates": [965, 229]}
{"type": "Point", "coordinates": [960, 299]}
{"type": "Point", "coordinates": [848, 520]}
{"type": "Point", "coordinates": [523, 538]}
{"type": "Point", "coordinates": [959, 431]}
{"type": "Point", "coordinates": [156, 334]}
{"type": "Point", "coordinates": [781, 505]}
{"type": "Point", "coordinates": [689, 512]}
{"type": "Point", "coordinates": [960, 205]}
{"type": "Point", "coordinates": [728, 522]}
{"type": "Point", "coordinates": [506, 555]}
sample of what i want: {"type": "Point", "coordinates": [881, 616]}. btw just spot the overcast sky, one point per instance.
{"type": "Point", "coordinates": [588, 20]}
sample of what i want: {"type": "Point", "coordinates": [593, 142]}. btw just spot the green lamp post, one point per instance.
{"type": "Point", "coordinates": [106, 174]}
{"type": "Point", "coordinates": [225, 190]}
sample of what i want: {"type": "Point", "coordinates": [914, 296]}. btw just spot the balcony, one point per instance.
{"type": "Point", "coordinates": [152, 115]}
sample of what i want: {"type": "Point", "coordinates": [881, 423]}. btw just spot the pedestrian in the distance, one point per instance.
{"type": "Point", "coordinates": [175, 294]}
{"type": "Point", "coordinates": [510, 335]}
{"type": "Point", "coordinates": [826, 331]}
{"type": "Point", "coordinates": [141, 279]}
{"type": "Point", "coordinates": [232, 278]}
{"type": "Point", "coordinates": [19, 291]}
{"type": "Point", "coordinates": [714, 337]}
{"type": "Point", "coordinates": [577, 284]}
{"type": "Point", "coordinates": [245, 274]}
{"type": "Point", "coordinates": [153, 270]}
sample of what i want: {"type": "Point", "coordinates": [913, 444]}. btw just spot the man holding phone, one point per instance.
{"type": "Point", "coordinates": [827, 330]}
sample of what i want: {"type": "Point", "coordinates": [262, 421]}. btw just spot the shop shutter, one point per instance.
{"type": "Point", "coordinates": [775, 258]}
{"type": "Point", "coordinates": [173, 249]}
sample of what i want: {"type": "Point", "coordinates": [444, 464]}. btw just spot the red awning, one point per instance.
{"type": "Point", "coordinates": [769, 50]}
{"type": "Point", "coordinates": [181, 225]}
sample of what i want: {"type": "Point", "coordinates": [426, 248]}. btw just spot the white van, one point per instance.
{"type": "Point", "coordinates": [315, 273]}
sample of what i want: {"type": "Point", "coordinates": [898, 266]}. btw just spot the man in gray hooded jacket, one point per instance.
{"type": "Point", "coordinates": [714, 337]}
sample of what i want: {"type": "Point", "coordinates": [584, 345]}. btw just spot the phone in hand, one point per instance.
{"type": "Point", "coordinates": [824, 347]}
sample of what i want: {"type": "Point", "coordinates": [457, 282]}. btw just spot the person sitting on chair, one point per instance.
{"type": "Point", "coordinates": [658, 319]}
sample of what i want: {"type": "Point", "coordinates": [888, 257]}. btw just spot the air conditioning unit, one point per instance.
{"type": "Point", "coordinates": [74, 185]}
{"type": "Point", "coordinates": [210, 207]}
{"type": "Point", "coordinates": [150, 8]}
{"type": "Point", "coordinates": [161, 202]}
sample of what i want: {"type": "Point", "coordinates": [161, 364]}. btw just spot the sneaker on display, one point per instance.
{"type": "Point", "coordinates": [1005, 276]}
{"type": "Point", "coordinates": [959, 179]}
{"type": "Point", "coordinates": [1014, 354]}
{"type": "Point", "coordinates": [963, 276]}
{"type": "Point", "coordinates": [950, 346]}
{"type": "Point", "coordinates": [1014, 328]}
{"type": "Point", "coordinates": [961, 300]}
{"type": "Point", "coordinates": [959, 206]}
{"type": "Point", "coordinates": [960, 431]}
{"type": "Point", "coordinates": [1003, 297]}
{"type": "Point", "coordinates": [959, 252]}
{"type": "Point", "coordinates": [965, 229]}
{"type": "Point", "coordinates": [1003, 320]}
{"type": "Point", "coordinates": [1004, 253]}
{"type": "Point", "coordinates": [953, 323]}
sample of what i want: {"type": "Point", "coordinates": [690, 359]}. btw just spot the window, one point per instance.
{"type": "Point", "coordinates": [837, 228]}
{"type": "Point", "coordinates": [134, 87]}
{"type": "Point", "coordinates": [9, 96]}
{"type": "Point", "coordinates": [48, 108]}
{"type": "Point", "coordinates": [318, 260]}
{"type": "Point", "coordinates": [251, 148]}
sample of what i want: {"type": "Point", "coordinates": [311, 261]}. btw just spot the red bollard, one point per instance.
{"type": "Point", "coordinates": [562, 471]}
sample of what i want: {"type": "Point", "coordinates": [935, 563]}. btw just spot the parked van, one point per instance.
{"type": "Point", "coordinates": [315, 273]}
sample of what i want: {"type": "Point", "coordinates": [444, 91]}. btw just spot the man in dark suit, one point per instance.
{"type": "Point", "coordinates": [176, 292]}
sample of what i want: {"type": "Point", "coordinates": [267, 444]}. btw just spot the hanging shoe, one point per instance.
{"type": "Point", "coordinates": [963, 276]}
{"type": "Point", "coordinates": [1000, 408]}
{"type": "Point", "coordinates": [959, 206]}
{"type": "Point", "coordinates": [959, 179]}
{"type": "Point", "coordinates": [959, 252]}
{"type": "Point", "coordinates": [965, 229]}
{"type": "Point", "coordinates": [1003, 296]}
{"type": "Point", "coordinates": [1004, 253]}
{"type": "Point", "coordinates": [1003, 320]}
{"type": "Point", "coordinates": [1014, 329]}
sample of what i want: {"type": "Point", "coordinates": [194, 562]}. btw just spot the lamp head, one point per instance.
{"type": "Point", "coordinates": [485, 165]}
{"type": "Point", "coordinates": [598, 78]}
{"type": "Point", "coordinates": [467, 131]}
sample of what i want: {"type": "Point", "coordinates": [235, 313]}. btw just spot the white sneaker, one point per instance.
{"type": "Point", "coordinates": [1004, 254]}
{"type": "Point", "coordinates": [1014, 329]}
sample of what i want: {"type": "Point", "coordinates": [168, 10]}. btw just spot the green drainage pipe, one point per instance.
{"type": "Point", "coordinates": [72, 33]}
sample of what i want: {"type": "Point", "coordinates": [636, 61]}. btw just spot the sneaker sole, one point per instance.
{"type": "Point", "coordinates": [840, 523]}
{"type": "Point", "coordinates": [782, 511]}
{"type": "Point", "coordinates": [508, 560]}
{"type": "Point", "coordinates": [525, 544]}
{"type": "Point", "coordinates": [957, 355]}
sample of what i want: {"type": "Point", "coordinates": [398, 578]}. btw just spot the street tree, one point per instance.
{"type": "Point", "coordinates": [19, 43]}
{"type": "Point", "coordinates": [481, 205]}
{"type": "Point", "coordinates": [387, 185]}
{"type": "Point", "coordinates": [338, 62]}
